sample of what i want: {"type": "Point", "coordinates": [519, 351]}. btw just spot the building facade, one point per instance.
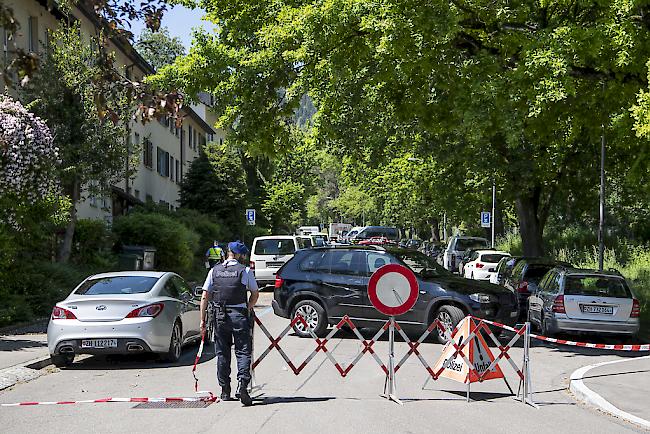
{"type": "Point", "coordinates": [165, 151]}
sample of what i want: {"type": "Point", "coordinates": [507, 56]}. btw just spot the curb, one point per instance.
{"type": "Point", "coordinates": [23, 372]}
{"type": "Point", "coordinates": [582, 392]}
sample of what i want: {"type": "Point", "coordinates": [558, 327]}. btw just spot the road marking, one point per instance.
{"type": "Point", "coordinates": [580, 389]}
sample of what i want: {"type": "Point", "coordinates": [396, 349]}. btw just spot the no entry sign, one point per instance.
{"type": "Point", "coordinates": [393, 289]}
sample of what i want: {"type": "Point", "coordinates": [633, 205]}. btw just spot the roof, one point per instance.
{"type": "Point", "coordinates": [490, 251]}
{"type": "Point", "coordinates": [156, 274]}
{"type": "Point", "coordinates": [583, 271]}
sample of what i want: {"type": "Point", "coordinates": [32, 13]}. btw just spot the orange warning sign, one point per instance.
{"type": "Point", "coordinates": [476, 351]}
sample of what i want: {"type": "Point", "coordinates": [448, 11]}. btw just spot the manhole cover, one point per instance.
{"type": "Point", "coordinates": [174, 404]}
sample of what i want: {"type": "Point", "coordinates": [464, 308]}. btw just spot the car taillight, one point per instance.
{"type": "Point", "coordinates": [522, 287]}
{"type": "Point", "coordinates": [279, 281]}
{"type": "Point", "coordinates": [479, 265]}
{"type": "Point", "coordinates": [150, 310]}
{"type": "Point", "coordinates": [61, 313]}
{"type": "Point", "coordinates": [251, 264]}
{"type": "Point", "coordinates": [558, 304]}
{"type": "Point", "coordinates": [636, 309]}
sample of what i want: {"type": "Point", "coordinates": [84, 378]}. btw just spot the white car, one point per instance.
{"type": "Point", "coordinates": [483, 264]}
{"type": "Point", "coordinates": [271, 252]}
{"type": "Point", "coordinates": [123, 313]}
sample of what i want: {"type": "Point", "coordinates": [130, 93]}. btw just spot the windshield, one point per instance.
{"type": "Point", "coordinates": [117, 285]}
{"type": "Point", "coordinates": [273, 246]}
{"type": "Point", "coordinates": [596, 286]}
{"type": "Point", "coordinates": [492, 258]}
{"type": "Point", "coordinates": [472, 243]}
{"type": "Point", "coordinates": [420, 263]}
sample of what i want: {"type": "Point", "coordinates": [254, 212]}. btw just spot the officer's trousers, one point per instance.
{"type": "Point", "coordinates": [237, 328]}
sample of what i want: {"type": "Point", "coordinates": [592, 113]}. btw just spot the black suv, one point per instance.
{"type": "Point", "coordinates": [325, 284]}
{"type": "Point", "coordinates": [524, 278]}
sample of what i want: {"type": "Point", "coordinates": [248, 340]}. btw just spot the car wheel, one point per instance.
{"type": "Point", "coordinates": [545, 329]}
{"type": "Point", "coordinates": [62, 360]}
{"type": "Point", "coordinates": [175, 345]}
{"type": "Point", "coordinates": [449, 316]}
{"type": "Point", "coordinates": [315, 317]}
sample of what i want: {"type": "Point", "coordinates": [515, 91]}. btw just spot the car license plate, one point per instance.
{"type": "Point", "coordinates": [590, 308]}
{"type": "Point", "coordinates": [99, 343]}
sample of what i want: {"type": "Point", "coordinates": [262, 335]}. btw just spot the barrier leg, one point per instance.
{"type": "Point", "coordinates": [390, 392]}
{"type": "Point", "coordinates": [253, 386]}
{"type": "Point", "coordinates": [527, 395]}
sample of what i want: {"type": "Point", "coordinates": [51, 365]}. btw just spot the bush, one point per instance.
{"type": "Point", "coordinates": [92, 242]}
{"type": "Point", "coordinates": [175, 244]}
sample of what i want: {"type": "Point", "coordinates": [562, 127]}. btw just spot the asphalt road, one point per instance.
{"type": "Point", "coordinates": [318, 400]}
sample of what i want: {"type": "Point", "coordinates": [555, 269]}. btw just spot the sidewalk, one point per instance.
{"type": "Point", "coordinates": [20, 347]}
{"type": "Point", "coordinates": [619, 388]}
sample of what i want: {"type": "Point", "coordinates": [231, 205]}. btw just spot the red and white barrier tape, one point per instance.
{"type": "Point", "coordinates": [617, 347]}
{"type": "Point", "coordinates": [211, 398]}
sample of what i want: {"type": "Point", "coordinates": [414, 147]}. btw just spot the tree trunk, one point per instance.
{"type": "Point", "coordinates": [66, 246]}
{"type": "Point", "coordinates": [499, 226]}
{"type": "Point", "coordinates": [435, 230]}
{"type": "Point", "coordinates": [530, 226]}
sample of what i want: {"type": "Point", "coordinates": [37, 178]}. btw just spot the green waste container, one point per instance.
{"type": "Point", "coordinates": [130, 261]}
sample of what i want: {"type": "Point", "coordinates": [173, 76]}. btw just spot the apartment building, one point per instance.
{"type": "Point", "coordinates": [165, 150]}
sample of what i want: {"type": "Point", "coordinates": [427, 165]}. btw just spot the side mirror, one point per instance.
{"type": "Point", "coordinates": [198, 291]}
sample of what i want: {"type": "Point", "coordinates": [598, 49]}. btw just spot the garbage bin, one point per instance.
{"type": "Point", "coordinates": [146, 255]}
{"type": "Point", "coordinates": [129, 262]}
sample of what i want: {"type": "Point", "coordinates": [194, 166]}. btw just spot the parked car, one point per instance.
{"type": "Point", "coordinates": [574, 300]}
{"type": "Point", "coordinates": [412, 244]}
{"type": "Point", "coordinates": [123, 313]}
{"type": "Point", "coordinates": [464, 259]}
{"type": "Point", "coordinates": [375, 231]}
{"type": "Point", "coordinates": [525, 277]}
{"type": "Point", "coordinates": [325, 284]}
{"type": "Point", "coordinates": [456, 248]}
{"type": "Point", "coordinates": [269, 253]}
{"type": "Point", "coordinates": [482, 264]}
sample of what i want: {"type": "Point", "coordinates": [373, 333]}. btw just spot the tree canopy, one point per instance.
{"type": "Point", "coordinates": [159, 48]}
{"type": "Point", "coordinates": [519, 93]}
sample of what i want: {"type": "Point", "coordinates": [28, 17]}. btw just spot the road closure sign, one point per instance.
{"type": "Point", "coordinates": [393, 289]}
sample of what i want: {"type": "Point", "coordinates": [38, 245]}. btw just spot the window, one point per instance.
{"type": "Point", "coordinates": [376, 260]}
{"type": "Point", "coordinates": [32, 34]}
{"type": "Point", "coordinates": [117, 285]}
{"type": "Point", "coordinates": [181, 286]}
{"type": "Point", "coordinates": [196, 142]}
{"type": "Point", "coordinates": [347, 262]}
{"type": "Point", "coordinates": [5, 45]}
{"type": "Point", "coordinates": [220, 141]}
{"type": "Point", "coordinates": [171, 168]}
{"type": "Point", "coordinates": [535, 272]}
{"type": "Point", "coordinates": [596, 286]}
{"type": "Point", "coordinates": [147, 148]}
{"type": "Point", "coordinates": [163, 162]}
{"type": "Point", "coordinates": [492, 258]}
{"type": "Point", "coordinates": [313, 262]}
{"type": "Point", "coordinates": [191, 140]}
{"type": "Point", "coordinates": [170, 289]}
{"type": "Point", "coordinates": [275, 246]}
{"type": "Point", "coordinates": [304, 243]}
{"type": "Point", "coordinates": [137, 194]}
{"type": "Point", "coordinates": [178, 171]}
{"type": "Point", "coordinates": [149, 198]}
{"type": "Point", "coordinates": [136, 138]}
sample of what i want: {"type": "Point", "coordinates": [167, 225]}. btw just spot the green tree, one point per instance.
{"type": "Point", "coordinates": [159, 48]}
{"type": "Point", "coordinates": [514, 92]}
{"type": "Point", "coordinates": [215, 184]}
{"type": "Point", "coordinates": [92, 149]}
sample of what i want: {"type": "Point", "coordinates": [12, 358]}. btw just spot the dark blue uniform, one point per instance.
{"type": "Point", "coordinates": [227, 294]}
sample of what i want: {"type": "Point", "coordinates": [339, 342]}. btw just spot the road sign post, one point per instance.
{"type": "Point", "coordinates": [393, 290]}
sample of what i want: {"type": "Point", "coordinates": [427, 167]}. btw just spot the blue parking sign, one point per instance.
{"type": "Point", "coordinates": [485, 219]}
{"type": "Point", "coordinates": [250, 215]}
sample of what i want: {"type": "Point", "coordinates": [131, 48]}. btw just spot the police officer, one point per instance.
{"type": "Point", "coordinates": [214, 254]}
{"type": "Point", "coordinates": [226, 288]}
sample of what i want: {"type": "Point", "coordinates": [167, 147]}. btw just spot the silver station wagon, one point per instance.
{"type": "Point", "coordinates": [574, 301]}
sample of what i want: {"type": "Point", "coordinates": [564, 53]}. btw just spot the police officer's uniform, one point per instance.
{"type": "Point", "coordinates": [227, 285]}
{"type": "Point", "coordinates": [215, 255]}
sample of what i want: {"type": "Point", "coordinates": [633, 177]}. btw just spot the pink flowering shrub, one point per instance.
{"type": "Point", "coordinates": [28, 156]}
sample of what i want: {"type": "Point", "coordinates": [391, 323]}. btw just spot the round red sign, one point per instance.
{"type": "Point", "coordinates": [393, 289]}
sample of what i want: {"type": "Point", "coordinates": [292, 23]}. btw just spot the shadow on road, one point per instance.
{"type": "Point", "coordinates": [269, 400]}
{"type": "Point", "coordinates": [141, 361]}
{"type": "Point", "coordinates": [19, 344]}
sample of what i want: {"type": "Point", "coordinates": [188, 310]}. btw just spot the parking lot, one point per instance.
{"type": "Point", "coordinates": [317, 400]}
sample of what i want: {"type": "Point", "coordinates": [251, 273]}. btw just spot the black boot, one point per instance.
{"type": "Point", "coordinates": [225, 393]}
{"type": "Point", "coordinates": [242, 393]}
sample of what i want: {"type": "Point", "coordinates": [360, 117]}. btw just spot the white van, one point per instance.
{"type": "Point", "coordinates": [271, 252]}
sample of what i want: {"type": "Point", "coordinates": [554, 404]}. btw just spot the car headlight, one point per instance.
{"type": "Point", "coordinates": [480, 297]}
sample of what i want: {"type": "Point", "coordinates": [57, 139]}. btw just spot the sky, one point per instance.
{"type": "Point", "coordinates": [180, 21]}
